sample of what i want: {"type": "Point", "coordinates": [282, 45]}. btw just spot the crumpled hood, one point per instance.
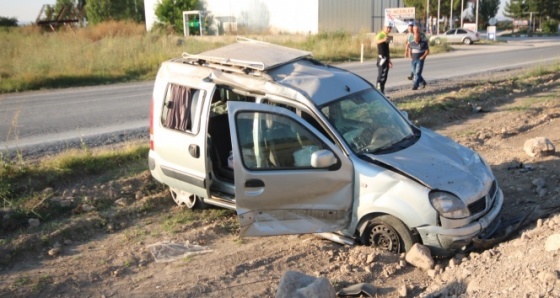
{"type": "Point", "coordinates": [443, 164]}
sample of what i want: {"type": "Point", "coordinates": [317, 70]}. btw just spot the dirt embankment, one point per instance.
{"type": "Point", "coordinates": [101, 247]}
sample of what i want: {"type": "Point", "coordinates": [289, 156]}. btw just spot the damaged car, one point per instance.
{"type": "Point", "coordinates": [296, 146]}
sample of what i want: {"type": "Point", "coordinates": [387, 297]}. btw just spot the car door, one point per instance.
{"type": "Point", "coordinates": [181, 141]}
{"type": "Point", "coordinates": [451, 36]}
{"type": "Point", "coordinates": [283, 183]}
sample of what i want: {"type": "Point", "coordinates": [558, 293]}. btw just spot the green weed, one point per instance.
{"type": "Point", "coordinates": [173, 223]}
{"type": "Point", "coordinates": [22, 281]}
{"type": "Point", "coordinates": [41, 283]}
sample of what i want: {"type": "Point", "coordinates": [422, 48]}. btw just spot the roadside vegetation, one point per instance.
{"type": "Point", "coordinates": [112, 52]}
{"type": "Point", "coordinates": [475, 94]}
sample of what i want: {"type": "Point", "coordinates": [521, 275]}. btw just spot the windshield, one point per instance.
{"type": "Point", "coordinates": [369, 123]}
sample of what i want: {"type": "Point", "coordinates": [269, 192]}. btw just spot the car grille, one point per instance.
{"type": "Point", "coordinates": [480, 204]}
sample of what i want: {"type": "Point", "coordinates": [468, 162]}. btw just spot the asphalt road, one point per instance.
{"type": "Point", "coordinates": [49, 120]}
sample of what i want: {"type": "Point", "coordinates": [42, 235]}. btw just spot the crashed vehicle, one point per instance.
{"type": "Point", "coordinates": [296, 146]}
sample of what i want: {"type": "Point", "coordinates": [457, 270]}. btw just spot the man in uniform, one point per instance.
{"type": "Point", "coordinates": [383, 56]}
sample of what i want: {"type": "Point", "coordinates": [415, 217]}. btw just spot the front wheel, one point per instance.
{"type": "Point", "coordinates": [467, 41]}
{"type": "Point", "coordinates": [388, 233]}
{"type": "Point", "coordinates": [437, 41]}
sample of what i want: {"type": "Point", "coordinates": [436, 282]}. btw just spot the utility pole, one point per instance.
{"type": "Point", "coordinates": [427, 15]}
{"type": "Point", "coordinates": [451, 22]}
{"type": "Point", "coordinates": [531, 19]}
{"type": "Point", "coordinates": [476, 22]}
{"type": "Point", "coordinates": [437, 22]}
{"type": "Point", "coordinates": [462, 9]}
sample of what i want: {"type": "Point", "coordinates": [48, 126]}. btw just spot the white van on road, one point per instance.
{"type": "Point", "coordinates": [296, 146]}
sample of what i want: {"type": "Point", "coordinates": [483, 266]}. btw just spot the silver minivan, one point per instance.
{"type": "Point", "coordinates": [296, 146]}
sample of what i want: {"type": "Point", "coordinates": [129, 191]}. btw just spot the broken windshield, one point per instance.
{"type": "Point", "coordinates": [369, 123]}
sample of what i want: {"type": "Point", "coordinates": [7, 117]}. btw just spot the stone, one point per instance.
{"type": "Point", "coordinates": [54, 251]}
{"type": "Point", "coordinates": [370, 258]}
{"type": "Point", "coordinates": [539, 146]}
{"type": "Point", "coordinates": [420, 257]}
{"type": "Point", "coordinates": [403, 291]}
{"type": "Point", "coordinates": [547, 277]}
{"type": "Point", "coordinates": [87, 207]}
{"type": "Point", "coordinates": [473, 286]}
{"type": "Point", "coordinates": [65, 203]}
{"type": "Point", "coordinates": [538, 182]}
{"type": "Point", "coordinates": [33, 222]}
{"type": "Point", "coordinates": [298, 285]}
{"type": "Point", "coordinates": [48, 191]}
{"type": "Point", "coordinates": [123, 202]}
{"type": "Point", "coordinates": [552, 243]}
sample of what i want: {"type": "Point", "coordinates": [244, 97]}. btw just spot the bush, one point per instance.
{"type": "Point", "coordinates": [550, 26]}
{"type": "Point", "coordinates": [504, 25]}
{"type": "Point", "coordinates": [8, 22]}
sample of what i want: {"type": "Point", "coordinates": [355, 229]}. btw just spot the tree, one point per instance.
{"type": "Point", "coordinates": [487, 9]}
{"type": "Point", "coordinates": [98, 11]}
{"type": "Point", "coordinates": [546, 8]}
{"type": "Point", "coordinates": [515, 9]}
{"type": "Point", "coordinates": [8, 22]}
{"type": "Point", "coordinates": [170, 12]}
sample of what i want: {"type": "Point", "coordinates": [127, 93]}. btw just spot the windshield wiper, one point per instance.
{"type": "Point", "coordinates": [401, 144]}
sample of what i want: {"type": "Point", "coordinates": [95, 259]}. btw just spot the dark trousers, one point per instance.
{"type": "Point", "coordinates": [382, 73]}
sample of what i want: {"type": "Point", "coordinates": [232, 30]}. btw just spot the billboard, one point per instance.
{"type": "Point", "coordinates": [399, 17]}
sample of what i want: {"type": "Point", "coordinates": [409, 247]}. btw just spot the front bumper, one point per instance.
{"type": "Point", "coordinates": [439, 238]}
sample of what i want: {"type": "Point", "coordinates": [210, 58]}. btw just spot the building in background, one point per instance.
{"type": "Point", "coordinates": [295, 16]}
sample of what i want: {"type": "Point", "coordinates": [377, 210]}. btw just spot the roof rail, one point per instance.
{"type": "Point", "coordinates": [254, 65]}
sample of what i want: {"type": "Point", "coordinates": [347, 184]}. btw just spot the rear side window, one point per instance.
{"type": "Point", "coordinates": [180, 108]}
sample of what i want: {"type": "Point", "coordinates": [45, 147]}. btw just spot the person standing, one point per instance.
{"type": "Point", "coordinates": [382, 39]}
{"type": "Point", "coordinates": [409, 39]}
{"type": "Point", "coordinates": [419, 50]}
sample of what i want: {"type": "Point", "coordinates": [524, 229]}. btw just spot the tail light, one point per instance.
{"type": "Point", "coordinates": [152, 125]}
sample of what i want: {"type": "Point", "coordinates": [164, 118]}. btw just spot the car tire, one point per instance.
{"type": "Point", "coordinates": [185, 199]}
{"type": "Point", "coordinates": [467, 41]}
{"type": "Point", "coordinates": [437, 41]}
{"type": "Point", "coordinates": [388, 233]}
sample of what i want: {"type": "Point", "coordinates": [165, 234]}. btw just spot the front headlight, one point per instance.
{"type": "Point", "coordinates": [449, 205]}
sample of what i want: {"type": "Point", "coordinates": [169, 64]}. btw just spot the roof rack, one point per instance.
{"type": "Point", "coordinates": [238, 57]}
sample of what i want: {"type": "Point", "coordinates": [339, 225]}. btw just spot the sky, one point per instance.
{"type": "Point", "coordinates": [25, 11]}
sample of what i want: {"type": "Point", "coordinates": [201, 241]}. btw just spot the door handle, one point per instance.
{"type": "Point", "coordinates": [254, 183]}
{"type": "Point", "coordinates": [194, 150]}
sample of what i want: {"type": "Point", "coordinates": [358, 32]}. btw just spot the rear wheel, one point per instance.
{"type": "Point", "coordinates": [183, 198]}
{"type": "Point", "coordinates": [388, 233]}
{"type": "Point", "coordinates": [467, 41]}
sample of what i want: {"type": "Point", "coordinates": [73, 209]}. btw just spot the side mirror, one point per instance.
{"type": "Point", "coordinates": [323, 159]}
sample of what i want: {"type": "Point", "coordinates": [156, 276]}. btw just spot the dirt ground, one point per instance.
{"type": "Point", "coordinates": [105, 252]}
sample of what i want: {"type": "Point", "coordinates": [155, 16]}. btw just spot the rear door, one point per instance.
{"type": "Point", "coordinates": [277, 189]}
{"type": "Point", "coordinates": [181, 141]}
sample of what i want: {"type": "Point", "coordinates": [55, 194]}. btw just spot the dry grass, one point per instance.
{"type": "Point", "coordinates": [110, 52]}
